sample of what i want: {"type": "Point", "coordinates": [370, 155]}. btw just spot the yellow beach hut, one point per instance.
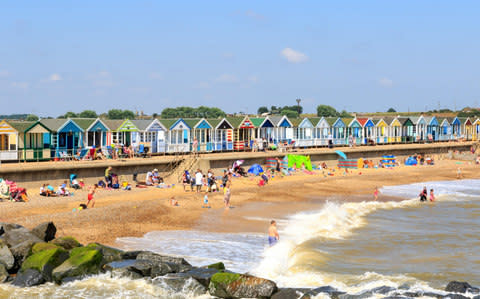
{"type": "Point", "coordinates": [8, 142]}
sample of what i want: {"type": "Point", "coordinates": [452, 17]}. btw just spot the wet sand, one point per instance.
{"type": "Point", "coordinates": [120, 213]}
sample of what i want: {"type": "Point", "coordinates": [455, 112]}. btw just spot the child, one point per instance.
{"type": "Point", "coordinates": [173, 202]}
{"type": "Point", "coordinates": [459, 173]}
{"type": "Point", "coordinates": [43, 190]}
{"type": "Point", "coordinates": [375, 193]}
{"type": "Point", "coordinates": [432, 196]}
{"type": "Point", "coordinates": [205, 201]}
{"type": "Point", "coordinates": [91, 193]}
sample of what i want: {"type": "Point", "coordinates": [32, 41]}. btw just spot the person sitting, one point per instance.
{"type": "Point", "coordinates": [43, 190]}
{"type": "Point", "coordinates": [62, 190]}
{"type": "Point", "coordinates": [173, 201]}
{"type": "Point", "coordinates": [149, 179]}
{"type": "Point", "coordinates": [115, 184]}
{"type": "Point", "coordinates": [76, 184]}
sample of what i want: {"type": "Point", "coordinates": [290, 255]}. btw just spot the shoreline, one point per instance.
{"type": "Point", "coordinates": [134, 213]}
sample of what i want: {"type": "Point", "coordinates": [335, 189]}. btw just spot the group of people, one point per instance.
{"type": "Point", "coordinates": [153, 178]}
{"type": "Point", "coordinates": [208, 181]}
{"type": "Point", "coordinates": [423, 195]}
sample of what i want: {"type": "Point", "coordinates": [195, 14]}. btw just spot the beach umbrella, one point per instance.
{"type": "Point", "coordinates": [341, 154]}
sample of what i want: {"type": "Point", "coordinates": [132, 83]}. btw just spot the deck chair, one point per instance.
{"type": "Point", "coordinates": [4, 190]}
{"type": "Point", "coordinates": [106, 153]}
{"type": "Point", "coordinates": [64, 155]}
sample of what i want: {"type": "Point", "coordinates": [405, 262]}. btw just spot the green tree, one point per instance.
{"type": "Point", "coordinates": [344, 113]}
{"type": "Point", "coordinates": [128, 114]}
{"type": "Point", "coordinates": [326, 111]}
{"type": "Point", "coordinates": [115, 114]}
{"type": "Point", "coordinates": [391, 110]}
{"type": "Point", "coordinates": [262, 110]}
{"type": "Point", "coordinates": [31, 117]}
{"type": "Point", "coordinates": [88, 114]}
{"type": "Point", "coordinates": [69, 114]}
{"type": "Point", "coordinates": [289, 113]}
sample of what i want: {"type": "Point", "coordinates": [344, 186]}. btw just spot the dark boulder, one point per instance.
{"type": "Point", "coordinates": [332, 292]}
{"type": "Point", "coordinates": [461, 287]}
{"type": "Point", "coordinates": [67, 243]}
{"type": "Point", "coordinates": [109, 254]}
{"type": "Point", "coordinates": [45, 231]}
{"type": "Point", "coordinates": [290, 293]}
{"type": "Point", "coordinates": [122, 269]}
{"type": "Point", "coordinates": [178, 264]}
{"type": "Point", "coordinates": [219, 266]}
{"type": "Point", "coordinates": [131, 255]}
{"type": "Point", "coordinates": [29, 278]}
{"type": "Point", "coordinates": [382, 290]}
{"type": "Point", "coordinates": [202, 275]}
{"type": "Point", "coordinates": [455, 296]}
{"type": "Point", "coordinates": [233, 285]}
{"type": "Point", "coordinates": [19, 235]}
{"type": "Point", "coordinates": [181, 283]}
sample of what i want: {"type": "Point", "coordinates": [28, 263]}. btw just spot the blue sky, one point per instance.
{"type": "Point", "coordinates": [57, 56]}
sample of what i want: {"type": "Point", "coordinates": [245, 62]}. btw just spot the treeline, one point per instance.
{"type": "Point", "coordinates": [289, 111]}
{"type": "Point", "coordinates": [189, 112]}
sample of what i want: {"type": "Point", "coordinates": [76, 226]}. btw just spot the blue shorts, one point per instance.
{"type": "Point", "coordinates": [272, 240]}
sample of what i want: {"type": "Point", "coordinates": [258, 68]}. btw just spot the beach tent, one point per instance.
{"type": "Point", "coordinates": [388, 161]}
{"type": "Point", "coordinates": [410, 161]}
{"type": "Point", "coordinates": [350, 163]}
{"type": "Point", "coordinates": [298, 160]}
{"type": "Point", "coordinates": [255, 169]}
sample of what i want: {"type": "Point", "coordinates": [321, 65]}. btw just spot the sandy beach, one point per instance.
{"type": "Point", "coordinates": [120, 213]}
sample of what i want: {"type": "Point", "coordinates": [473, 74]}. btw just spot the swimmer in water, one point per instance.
{"type": "Point", "coordinates": [273, 236]}
{"type": "Point", "coordinates": [375, 193]}
{"type": "Point", "coordinates": [423, 194]}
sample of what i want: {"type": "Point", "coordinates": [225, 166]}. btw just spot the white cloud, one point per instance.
{"type": "Point", "coordinates": [385, 82]}
{"type": "Point", "coordinates": [55, 77]}
{"type": "Point", "coordinates": [20, 85]}
{"type": "Point", "coordinates": [156, 76]}
{"type": "Point", "coordinates": [226, 78]}
{"type": "Point", "coordinates": [294, 56]}
{"type": "Point", "coordinates": [4, 74]}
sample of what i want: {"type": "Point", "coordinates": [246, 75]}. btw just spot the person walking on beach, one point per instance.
{"type": "Point", "coordinates": [459, 173]}
{"type": "Point", "coordinates": [375, 193]}
{"type": "Point", "coordinates": [91, 193]}
{"type": "Point", "coordinates": [273, 236]}
{"type": "Point", "coordinates": [199, 180]}
{"type": "Point", "coordinates": [432, 196]}
{"type": "Point", "coordinates": [226, 195]}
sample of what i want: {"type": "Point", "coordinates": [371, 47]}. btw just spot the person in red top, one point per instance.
{"type": "Point", "coordinates": [91, 193]}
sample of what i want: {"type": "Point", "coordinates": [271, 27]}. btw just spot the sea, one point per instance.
{"type": "Point", "coordinates": [353, 246]}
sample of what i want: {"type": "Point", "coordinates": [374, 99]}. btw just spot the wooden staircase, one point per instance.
{"type": "Point", "coordinates": [185, 162]}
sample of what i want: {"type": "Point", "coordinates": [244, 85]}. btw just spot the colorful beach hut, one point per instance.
{"type": "Point", "coordinates": [303, 132]}
{"type": "Point", "coordinates": [368, 129]}
{"type": "Point", "coordinates": [456, 125]}
{"type": "Point", "coordinates": [433, 128]}
{"type": "Point", "coordinates": [96, 134]}
{"type": "Point", "coordinates": [123, 132]}
{"type": "Point", "coordinates": [66, 136]}
{"type": "Point", "coordinates": [381, 130]}
{"type": "Point", "coordinates": [339, 130]}
{"type": "Point", "coordinates": [445, 132]}
{"type": "Point", "coordinates": [476, 129]}
{"type": "Point", "coordinates": [264, 128]}
{"type": "Point", "coordinates": [408, 129]}
{"type": "Point", "coordinates": [394, 129]}
{"type": "Point", "coordinates": [283, 131]}
{"type": "Point", "coordinates": [203, 131]}
{"type": "Point", "coordinates": [223, 134]}
{"type": "Point", "coordinates": [466, 127]}
{"type": "Point", "coordinates": [243, 132]}
{"type": "Point", "coordinates": [355, 129]}
{"type": "Point", "coordinates": [33, 140]}
{"type": "Point", "coordinates": [8, 142]}
{"type": "Point", "coordinates": [151, 134]}
{"type": "Point", "coordinates": [420, 128]}
{"type": "Point", "coordinates": [320, 131]}
{"type": "Point", "coordinates": [178, 135]}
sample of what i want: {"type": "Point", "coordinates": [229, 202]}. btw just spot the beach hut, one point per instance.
{"type": "Point", "coordinates": [33, 140]}
{"type": "Point", "coordinates": [433, 128]}
{"type": "Point", "coordinates": [394, 129]}
{"type": "Point", "coordinates": [96, 133]}
{"type": "Point", "coordinates": [203, 131]}
{"type": "Point", "coordinates": [466, 128]}
{"type": "Point", "coordinates": [112, 135]}
{"type": "Point", "coordinates": [303, 132]}
{"type": "Point", "coordinates": [83, 123]}
{"type": "Point", "coordinates": [66, 136]}
{"type": "Point", "coordinates": [263, 128]}
{"type": "Point", "coordinates": [445, 132]}
{"type": "Point", "coordinates": [243, 132]}
{"type": "Point", "coordinates": [8, 142]}
{"type": "Point", "coordinates": [355, 129]}
{"type": "Point", "coordinates": [223, 134]}
{"type": "Point", "coordinates": [381, 130]}
{"type": "Point", "coordinates": [408, 129]}
{"type": "Point", "coordinates": [420, 128]}
{"type": "Point", "coordinates": [339, 130]}
{"type": "Point", "coordinates": [283, 131]}
{"type": "Point", "coordinates": [476, 129]}
{"type": "Point", "coordinates": [123, 132]}
{"type": "Point", "coordinates": [456, 125]}
{"type": "Point", "coordinates": [178, 135]}
{"type": "Point", "coordinates": [368, 129]}
{"type": "Point", "coordinates": [151, 134]}
{"type": "Point", "coordinates": [320, 131]}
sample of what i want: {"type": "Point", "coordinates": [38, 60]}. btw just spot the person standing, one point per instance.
{"type": "Point", "coordinates": [195, 146]}
{"type": "Point", "coordinates": [90, 195]}
{"type": "Point", "coordinates": [226, 195]}
{"type": "Point", "coordinates": [199, 180]}
{"type": "Point", "coordinates": [108, 177]}
{"type": "Point", "coordinates": [273, 236]}
{"type": "Point", "coordinates": [350, 140]}
{"type": "Point", "coordinates": [375, 193]}
{"type": "Point", "coordinates": [423, 194]}
{"type": "Point", "coordinates": [432, 196]}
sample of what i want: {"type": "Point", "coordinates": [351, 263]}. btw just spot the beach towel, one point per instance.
{"type": "Point", "coordinates": [298, 161]}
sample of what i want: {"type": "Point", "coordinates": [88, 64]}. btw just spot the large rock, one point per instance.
{"type": "Point", "coordinates": [45, 261]}
{"type": "Point", "coordinates": [19, 235]}
{"type": "Point", "coordinates": [45, 231]}
{"type": "Point", "coordinates": [36, 248]}
{"type": "Point", "coordinates": [219, 266]}
{"type": "Point", "coordinates": [67, 242]}
{"type": "Point", "coordinates": [3, 274]}
{"type": "Point", "coordinates": [461, 287]}
{"type": "Point", "coordinates": [233, 285]}
{"type": "Point", "coordinates": [6, 256]}
{"type": "Point", "coordinates": [29, 278]}
{"type": "Point", "coordinates": [202, 275]}
{"type": "Point", "coordinates": [83, 261]}
{"type": "Point", "coordinates": [330, 291]}
{"type": "Point", "coordinates": [109, 254]}
{"type": "Point", "coordinates": [290, 293]}
{"type": "Point", "coordinates": [180, 283]}
{"type": "Point", "coordinates": [4, 227]}
{"type": "Point", "coordinates": [123, 268]}
{"type": "Point", "coordinates": [179, 264]}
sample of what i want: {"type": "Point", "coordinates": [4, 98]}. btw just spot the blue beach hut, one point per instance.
{"type": "Point", "coordinates": [66, 136]}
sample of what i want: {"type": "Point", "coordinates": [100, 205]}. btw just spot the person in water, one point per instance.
{"type": "Point", "coordinates": [273, 236]}
{"type": "Point", "coordinates": [375, 193]}
{"type": "Point", "coordinates": [423, 194]}
{"type": "Point", "coordinates": [432, 196]}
